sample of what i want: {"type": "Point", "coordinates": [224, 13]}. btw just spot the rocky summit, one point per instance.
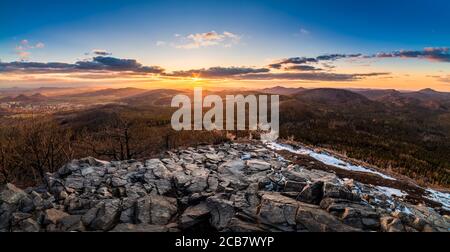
{"type": "Point", "coordinates": [228, 187]}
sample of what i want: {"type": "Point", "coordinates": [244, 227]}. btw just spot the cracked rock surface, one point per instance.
{"type": "Point", "coordinates": [227, 187]}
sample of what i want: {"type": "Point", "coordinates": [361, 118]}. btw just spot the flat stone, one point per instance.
{"type": "Point", "coordinates": [127, 227]}
{"type": "Point", "coordinates": [10, 194]}
{"type": "Point", "coordinates": [194, 215]}
{"type": "Point", "coordinates": [257, 165]}
{"type": "Point", "coordinates": [221, 211]}
{"type": "Point", "coordinates": [54, 215]}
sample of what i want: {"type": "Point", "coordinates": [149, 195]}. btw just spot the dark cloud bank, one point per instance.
{"type": "Point", "coordinates": [294, 68]}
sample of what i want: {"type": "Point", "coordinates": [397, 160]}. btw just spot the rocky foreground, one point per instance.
{"type": "Point", "coordinates": [227, 187]}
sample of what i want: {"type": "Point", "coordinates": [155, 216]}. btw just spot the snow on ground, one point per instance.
{"type": "Point", "coordinates": [443, 198]}
{"type": "Point", "coordinates": [388, 191]}
{"type": "Point", "coordinates": [326, 158]}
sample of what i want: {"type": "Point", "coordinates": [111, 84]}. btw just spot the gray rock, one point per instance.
{"type": "Point", "coordinates": [221, 211]}
{"type": "Point", "coordinates": [313, 219]}
{"type": "Point", "coordinates": [71, 223]}
{"type": "Point", "coordinates": [107, 215]}
{"type": "Point", "coordinates": [237, 225]}
{"type": "Point", "coordinates": [312, 193]}
{"type": "Point", "coordinates": [390, 224]}
{"type": "Point", "coordinates": [235, 187]}
{"type": "Point", "coordinates": [52, 216]}
{"type": "Point", "coordinates": [75, 182]}
{"type": "Point", "coordinates": [127, 227]}
{"type": "Point", "coordinates": [295, 176]}
{"type": "Point", "coordinates": [278, 211]}
{"type": "Point", "coordinates": [292, 186]}
{"type": "Point", "coordinates": [12, 195]}
{"type": "Point", "coordinates": [332, 190]}
{"type": "Point", "coordinates": [233, 173]}
{"type": "Point", "coordinates": [155, 209]}
{"type": "Point", "coordinates": [194, 215]}
{"type": "Point", "coordinates": [199, 180]}
{"type": "Point", "coordinates": [256, 165]}
{"type": "Point", "coordinates": [117, 181]}
{"type": "Point", "coordinates": [26, 225]}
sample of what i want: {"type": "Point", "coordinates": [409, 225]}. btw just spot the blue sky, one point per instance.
{"type": "Point", "coordinates": [249, 33]}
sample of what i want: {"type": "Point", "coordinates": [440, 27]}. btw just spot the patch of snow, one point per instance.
{"type": "Point", "coordinates": [326, 158]}
{"type": "Point", "coordinates": [407, 211]}
{"type": "Point", "coordinates": [246, 156]}
{"type": "Point", "coordinates": [440, 197]}
{"type": "Point", "coordinates": [388, 191]}
{"type": "Point", "coordinates": [103, 162]}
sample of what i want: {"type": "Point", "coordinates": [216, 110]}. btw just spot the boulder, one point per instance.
{"type": "Point", "coordinates": [24, 223]}
{"type": "Point", "coordinates": [256, 165]}
{"type": "Point", "coordinates": [11, 195]}
{"type": "Point", "coordinates": [75, 182]}
{"type": "Point", "coordinates": [278, 211]}
{"type": "Point", "coordinates": [311, 193]}
{"type": "Point", "coordinates": [52, 216]}
{"type": "Point", "coordinates": [155, 209]}
{"type": "Point", "coordinates": [194, 215]}
{"type": "Point", "coordinates": [221, 210]}
{"type": "Point", "coordinates": [237, 225]}
{"type": "Point", "coordinates": [313, 219]}
{"type": "Point", "coordinates": [199, 180]}
{"type": "Point", "coordinates": [332, 190]}
{"type": "Point", "coordinates": [295, 176]}
{"type": "Point", "coordinates": [354, 214]}
{"type": "Point", "coordinates": [391, 224]}
{"type": "Point", "coordinates": [104, 215]}
{"type": "Point", "coordinates": [233, 173]}
{"type": "Point", "coordinates": [71, 223]}
{"type": "Point", "coordinates": [127, 227]}
{"type": "Point", "coordinates": [293, 186]}
{"type": "Point", "coordinates": [118, 181]}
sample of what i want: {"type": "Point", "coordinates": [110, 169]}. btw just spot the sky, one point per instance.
{"type": "Point", "coordinates": [218, 44]}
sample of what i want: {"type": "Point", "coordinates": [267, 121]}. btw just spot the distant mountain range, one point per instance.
{"type": "Point", "coordinates": [37, 97]}
{"type": "Point", "coordinates": [408, 130]}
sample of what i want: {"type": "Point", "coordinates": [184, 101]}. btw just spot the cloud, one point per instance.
{"type": "Point", "coordinates": [218, 72]}
{"type": "Point", "coordinates": [160, 43]}
{"type": "Point", "coordinates": [445, 79]}
{"type": "Point", "coordinates": [305, 60]}
{"type": "Point", "coordinates": [98, 63]}
{"type": "Point", "coordinates": [23, 55]}
{"type": "Point", "coordinates": [441, 78]}
{"type": "Point", "coordinates": [101, 52]}
{"type": "Point", "coordinates": [304, 31]}
{"type": "Point", "coordinates": [207, 39]}
{"type": "Point", "coordinates": [441, 54]}
{"type": "Point", "coordinates": [302, 68]}
{"type": "Point", "coordinates": [40, 45]}
{"type": "Point", "coordinates": [310, 76]}
{"type": "Point", "coordinates": [332, 57]}
{"type": "Point", "coordinates": [293, 60]}
{"type": "Point", "coordinates": [24, 47]}
{"type": "Point", "coordinates": [116, 64]}
{"type": "Point", "coordinates": [247, 73]}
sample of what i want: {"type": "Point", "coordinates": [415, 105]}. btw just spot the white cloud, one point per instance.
{"type": "Point", "coordinates": [40, 45]}
{"type": "Point", "coordinates": [304, 31]}
{"type": "Point", "coordinates": [23, 55]}
{"type": "Point", "coordinates": [207, 39]}
{"type": "Point", "coordinates": [160, 43]}
{"type": "Point", "coordinates": [24, 47]}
